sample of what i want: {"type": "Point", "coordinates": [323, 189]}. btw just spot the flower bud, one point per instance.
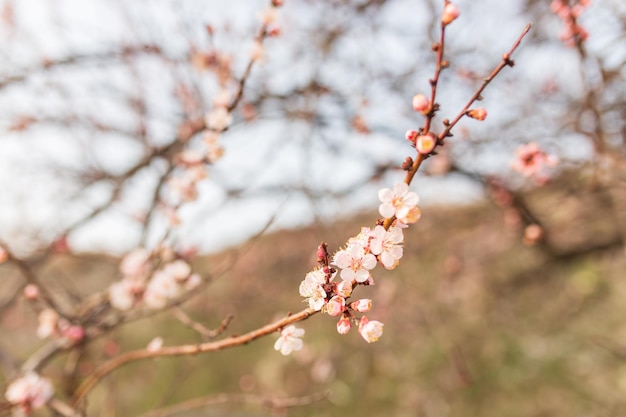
{"type": "Point", "coordinates": [370, 330]}
{"type": "Point", "coordinates": [421, 104]}
{"type": "Point", "coordinates": [478, 114]}
{"type": "Point", "coordinates": [344, 325]}
{"type": "Point", "coordinates": [344, 289]}
{"type": "Point", "coordinates": [31, 292]}
{"type": "Point", "coordinates": [335, 306]}
{"type": "Point", "coordinates": [425, 144]}
{"type": "Point", "coordinates": [362, 306]}
{"type": "Point", "coordinates": [450, 13]}
{"type": "Point", "coordinates": [411, 136]}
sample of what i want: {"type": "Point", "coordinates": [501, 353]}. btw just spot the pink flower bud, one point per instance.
{"type": "Point", "coordinates": [335, 306]}
{"type": "Point", "coordinates": [362, 306]}
{"type": "Point", "coordinates": [370, 330]}
{"type": "Point", "coordinates": [344, 325]}
{"type": "Point", "coordinates": [273, 32]}
{"type": "Point", "coordinates": [425, 144]}
{"type": "Point", "coordinates": [478, 114]}
{"type": "Point", "coordinates": [74, 333]}
{"type": "Point", "coordinates": [411, 136]}
{"type": "Point", "coordinates": [421, 103]}
{"type": "Point", "coordinates": [450, 13]}
{"type": "Point", "coordinates": [31, 292]}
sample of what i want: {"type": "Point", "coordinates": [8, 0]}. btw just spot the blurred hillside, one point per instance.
{"type": "Point", "coordinates": [476, 322]}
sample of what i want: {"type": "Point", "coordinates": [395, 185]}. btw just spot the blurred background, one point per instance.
{"type": "Point", "coordinates": [508, 299]}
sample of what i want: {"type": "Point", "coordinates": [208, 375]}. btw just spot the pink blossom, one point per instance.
{"type": "Point", "coordinates": [344, 325]}
{"type": "Point", "coordinates": [311, 288]}
{"type": "Point", "coordinates": [161, 288]}
{"type": "Point", "coordinates": [421, 103]}
{"type": "Point", "coordinates": [136, 264]}
{"type": "Point", "coordinates": [387, 245]}
{"type": "Point", "coordinates": [335, 306]}
{"type": "Point", "coordinates": [370, 330]}
{"type": "Point", "coordinates": [344, 289]}
{"type": "Point", "coordinates": [425, 144]}
{"type": "Point", "coordinates": [48, 322]}
{"type": "Point", "coordinates": [178, 269]}
{"type": "Point", "coordinates": [532, 161]}
{"type": "Point", "coordinates": [355, 263]}
{"type": "Point", "coordinates": [122, 294]}
{"type": "Point", "coordinates": [399, 202]}
{"type": "Point", "coordinates": [30, 391]}
{"type": "Point", "coordinates": [155, 344]}
{"type": "Point", "coordinates": [289, 340]}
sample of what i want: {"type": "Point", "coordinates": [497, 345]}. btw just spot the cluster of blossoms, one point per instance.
{"type": "Point", "coordinates": [192, 164]}
{"type": "Point", "coordinates": [353, 265]}
{"type": "Point", "coordinates": [28, 392]}
{"type": "Point", "coordinates": [532, 161]}
{"type": "Point", "coordinates": [572, 32]}
{"type": "Point", "coordinates": [140, 284]}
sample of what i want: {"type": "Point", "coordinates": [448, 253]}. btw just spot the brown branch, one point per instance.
{"type": "Point", "coordinates": [88, 384]}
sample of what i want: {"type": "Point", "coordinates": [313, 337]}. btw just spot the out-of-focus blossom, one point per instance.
{"type": "Point", "coordinates": [161, 288]}
{"type": "Point", "coordinates": [31, 292]}
{"type": "Point", "coordinates": [122, 294]}
{"type": "Point", "coordinates": [289, 340]}
{"type": "Point", "coordinates": [269, 15]}
{"type": "Point", "coordinates": [218, 119]}
{"type": "Point", "coordinates": [532, 161]}
{"type": "Point", "coordinates": [155, 344]}
{"type": "Point", "coordinates": [29, 392]}
{"type": "Point", "coordinates": [257, 52]}
{"type": "Point", "coordinates": [48, 322]}
{"type": "Point", "coordinates": [136, 264]}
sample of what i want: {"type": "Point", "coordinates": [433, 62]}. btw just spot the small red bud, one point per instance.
{"type": "Point", "coordinates": [411, 136]}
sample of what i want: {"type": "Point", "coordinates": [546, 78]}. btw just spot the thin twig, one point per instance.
{"type": "Point", "coordinates": [88, 384]}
